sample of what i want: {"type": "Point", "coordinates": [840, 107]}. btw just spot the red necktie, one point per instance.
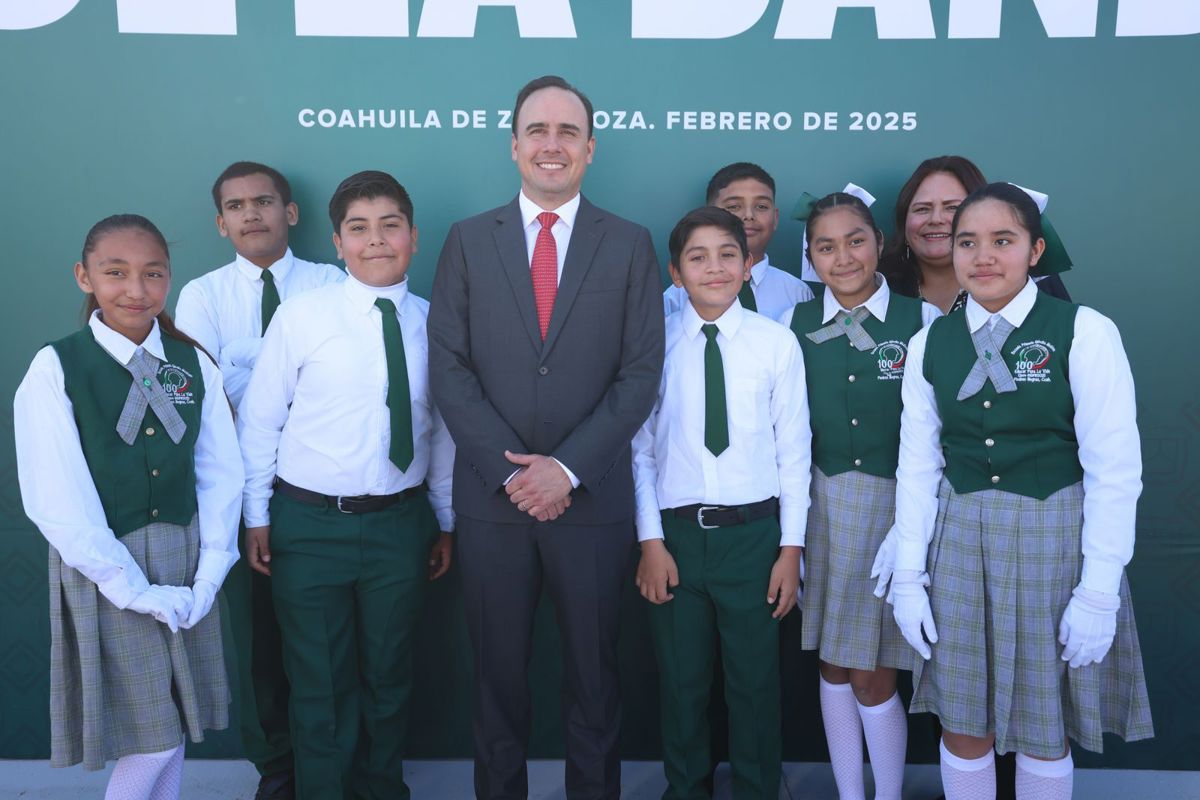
{"type": "Point", "coordinates": [544, 270]}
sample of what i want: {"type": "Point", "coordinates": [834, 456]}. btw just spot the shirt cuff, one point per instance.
{"type": "Point", "coordinates": [214, 565]}
{"type": "Point", "coordinates": [649, 526]}
{"type": "Point", "coordinates": [794, 527]}
{"type": "Point", "coordinates": [1101, 576]}
{"type": "Point", "coordinates": [119, 591]}
{"type": "Point", "coordinates": [445, 520]}
{"type": "Point", "coordinates": [570, 475]}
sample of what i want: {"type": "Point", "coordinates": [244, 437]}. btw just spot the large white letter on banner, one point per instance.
{"type": "Point", "coordinates": [217, 17]}
{"type": "Point", "coordinates": [352, 17]}
{"type": "Point", "coordinates": [536, 19]}
{"type": "Point", "coordinates": [694, 19]}
{"type": "Point", "coordinates": [20, 15]}
{"type": "Point", "coordinates": [1158, 18]}
{"type": "Point", "coordinates": [894, 19]}
{"type": "Point", "coordinates": [980, 19]}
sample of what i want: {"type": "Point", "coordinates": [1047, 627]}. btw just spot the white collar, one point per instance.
{"type": "Point", "coordinates": [120, 348]}
{"type": "Point", "coordinates": [362, 297]}
{"type": "Point", "coordinates": [759, 270]}
{"type": "Point", "coordinates": [1015, 312]}
{"type": "Point", "coordinates": [728, 323]}
{"type": "Point", "coordinates": [530, 210]}
{"type": "Point", "coordinates": [253, 272]}
{"type": "Point", "coordinates": [877, 303]}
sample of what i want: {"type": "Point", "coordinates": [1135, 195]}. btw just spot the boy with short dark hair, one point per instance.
{"type": "Point", "coordinates": [721, 470]}
{"type": "Point", "coordinates": [340, 438]}
{"type": "Point", "coordinates": [227, 311]}
{"type": "Point", "coordinates": [748, 192]}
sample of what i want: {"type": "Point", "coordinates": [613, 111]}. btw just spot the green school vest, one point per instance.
{"type": "Point", "coordinates": [854, 397]}
{"type": "Point", "coordinates": [154, 479]}
{"type": "Point", "coordinates": [1023, 441]}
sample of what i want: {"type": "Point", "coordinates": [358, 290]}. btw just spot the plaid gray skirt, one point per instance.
{"type": "Point", "coordinates": [121, 682]}
{"type": "Point", "coordinates": [1002, 568]}
{"type": "Point", "coordinates": [841, 617]}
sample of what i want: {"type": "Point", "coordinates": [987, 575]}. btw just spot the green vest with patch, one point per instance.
{"type": "Point", "coordinates": [853, 396]}
{"type": "Point", "coordinates": [154, 479]}
{"type": "Point", "coordinates": [1021, 442]}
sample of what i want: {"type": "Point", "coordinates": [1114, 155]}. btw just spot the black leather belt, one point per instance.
{"type": "Point", "coordinates": [709, 517]}
{"type": "Point", "coordinates": [361, 504]}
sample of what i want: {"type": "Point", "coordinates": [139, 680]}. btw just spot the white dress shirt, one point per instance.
{"type": "Point", "coordinates": [222, 310]}
{"type": "Point", "coordinates": [877, 304]}
{"type": "Point", "coordinates": [562, 239]}
{"type": "Point", "coordinates": [61, 498]}
{"type": "Point", "coordinates": [316, 414]}
{"type": "Point", "coordinates": [1105, 425]}
{"type": "Point", "coordinates": [775, 291]}
{"type": "Point", "coordinates": [770, 444]}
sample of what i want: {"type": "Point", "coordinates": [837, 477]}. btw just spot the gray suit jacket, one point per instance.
{"type": "Point", "coordinates": [581, 395]}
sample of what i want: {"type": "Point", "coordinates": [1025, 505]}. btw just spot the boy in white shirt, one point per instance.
{"type": "Point", "coordinates": [227, 311]}
{"type": "Point", "coordinates": [721, 471]}
{"type": "Point", "coordinates": [748, 192]}
{"type": "Point", "coordinates": [340, 438]}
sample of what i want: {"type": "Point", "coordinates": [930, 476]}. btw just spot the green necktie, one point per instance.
{"type": "Point", "coordinates": [716, 423]}
{"type": "Point", "coordinates": [270, 298]}
{"type": "Point", "coordinates": [398, 401]}
{"type": "Point", "coordinates": [746, 297]}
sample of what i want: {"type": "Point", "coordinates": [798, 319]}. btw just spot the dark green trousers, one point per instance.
{"type": "Point", "coordinates": [723, 579]}
{"type": "Point", "coordinates": [348, 590]}
{"type": "Point", "coordinates": [262, 684]}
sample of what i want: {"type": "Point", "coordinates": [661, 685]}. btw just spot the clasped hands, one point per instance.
{"type": "Point", "coordinates": [176, 606]}
{"type": "Point", "coordinates": [540, 487]}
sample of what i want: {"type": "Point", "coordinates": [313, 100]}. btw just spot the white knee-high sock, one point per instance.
{"type": "Point", "coordinates": [1045, 780]}
{"type": "Point", "coordinates": [171, 778]}
{"type": "Point", "coordinates": [134, 776]}
{"type": "Point", "coordinates": [886, 727]}
{"type": "Point", "coordinates": [968, 778]}
{"type": "Point", "coordinates": [843, 732]}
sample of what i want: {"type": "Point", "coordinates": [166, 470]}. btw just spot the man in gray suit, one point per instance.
{"type": "Point", "coordinates": [545, 353]}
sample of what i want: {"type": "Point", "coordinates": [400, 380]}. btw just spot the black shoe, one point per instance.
{"type": "Point", "coordinates": [280, 786]}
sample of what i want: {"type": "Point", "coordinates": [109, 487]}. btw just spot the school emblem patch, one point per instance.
{"type": "Point", "coordinates": [1032, 361]}
{"type": "Point", "coordinates": [891, 356]}
{"type": "Point", "coordinates": [177, 382]}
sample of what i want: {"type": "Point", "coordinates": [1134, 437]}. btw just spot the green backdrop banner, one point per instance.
{"type": "Point", "coordinates": [109, 106]}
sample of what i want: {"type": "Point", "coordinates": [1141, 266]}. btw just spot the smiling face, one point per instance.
{"type": "Point", "coordinates": [993, 253]}
{"type": "Point", "coordinates": [930, 214]}
{"type": "Point", "coordinates": [376, 241]}
{"type": "Point", "coordinates": [129, 275]}
{"type": "Point", "coordinates": [845, 254]}
{"type": "Point", "coordinates": [752, 202]}
{"type": "Point", "coordinates": [551, 146]}
{"type": "Point", "coordinates": [712, 269]}
{"type": "Point", "coordinates": [254, 217]}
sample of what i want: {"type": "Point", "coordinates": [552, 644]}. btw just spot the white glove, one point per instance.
{"type": "Point", "coordinates": [203, 593]}
{"type": "Point", "coordinates": [910, 607]}
{"type": "Point", "coordinates": [1088, 626]}
{"type": "Point", "coordinates": [167, 604]}
{"type": "Point", "coordinates": [885, 562]}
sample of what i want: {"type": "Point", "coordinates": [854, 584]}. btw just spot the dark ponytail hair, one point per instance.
{"type": "Point", "coordinates": [120, 222]}
{"type": "Point", "coordinates": [1022, 205]}
{"type": "Point", "coordinates": [840, 200]}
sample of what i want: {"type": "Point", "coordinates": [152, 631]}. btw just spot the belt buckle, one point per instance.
{"type": "Point", "coordinates": [339, 505]}
{"type": "Point", "coordinates": [700, 517]}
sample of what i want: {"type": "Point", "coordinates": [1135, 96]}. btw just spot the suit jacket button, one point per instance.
{"type": "Point", "coordinates": [543, 370]}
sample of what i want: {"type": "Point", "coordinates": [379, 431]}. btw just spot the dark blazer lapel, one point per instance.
{"type": "Point", "coordinates": [585, 238]}
{"type": "Point", "coordinates": [510, 243]}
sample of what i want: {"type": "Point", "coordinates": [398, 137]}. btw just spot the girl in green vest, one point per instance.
{"type": "Point", "coordinates": [1018, 480]}
{"type": "Point", "coordinates": [854, 335]}
{"type": "Point", "coordinates": [129, 466]}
